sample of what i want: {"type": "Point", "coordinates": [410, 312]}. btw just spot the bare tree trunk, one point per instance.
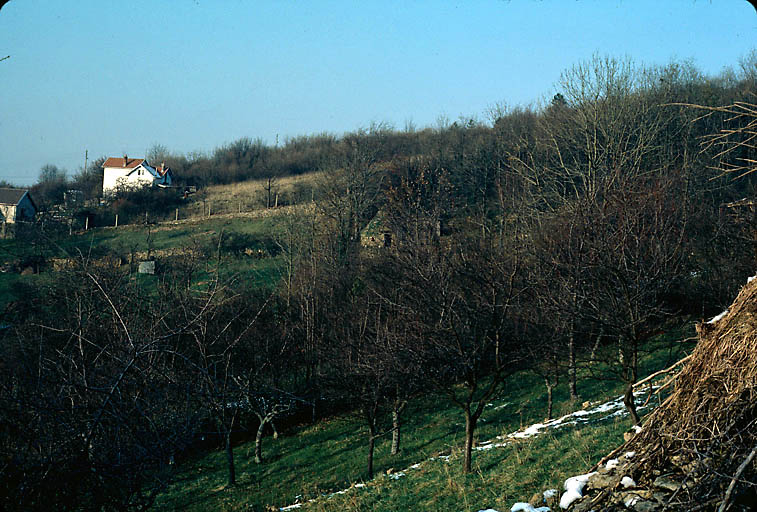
{"type": "Point", "coordinates": [549, 397]}
{"type": "Point", "coordinates": [596, 344]}
{"type": "Point", "coordinates": [630, 405]}
{"type": "Point", "coordinates": [470, 427]}
{"type": "Point", "coordinates": [275, 430]}
{"type": "Point", "coordinates": [371, 446]}
{"type": "Point", "coordinates": [259, 442]}
{"type": "Point", "coordinates": [572, 364]}
{"type": "Point", "coordinates": [632, 373]}
{"type": "Point", "coordinates": [230, 459]}
{"type": "Point", "coordinates": [396, 429]}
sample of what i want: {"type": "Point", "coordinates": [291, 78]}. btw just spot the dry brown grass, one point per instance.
{"type": "Point", "coordinates": [249, 196]}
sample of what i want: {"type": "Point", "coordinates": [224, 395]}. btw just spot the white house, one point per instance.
{"type": "Point", "coordinates": [132, 173]}
{"type": "Point", "coordinates": [16, 205]}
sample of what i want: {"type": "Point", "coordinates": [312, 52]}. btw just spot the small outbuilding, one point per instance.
{"type": "Point", "coordinates": [16, 205]}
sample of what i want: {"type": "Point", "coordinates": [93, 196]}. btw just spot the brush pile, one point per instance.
{"type": "Point", "coordinates": [697, 450]}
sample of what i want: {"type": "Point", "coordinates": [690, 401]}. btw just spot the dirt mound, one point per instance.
{"type": "Point", "coordinates": [702, 440]}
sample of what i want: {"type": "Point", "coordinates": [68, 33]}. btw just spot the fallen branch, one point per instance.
{"type": "Point", "coordinates": [735, 478]}
{"type": "Point", "coordinates": [666, 370]}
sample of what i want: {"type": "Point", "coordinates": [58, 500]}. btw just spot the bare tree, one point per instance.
{"type": "Point", "coordinates": [600, 146]}
{"type": "Point", "coordinates": [464, 298]}
{"type": "Point", "coordinates": [351, 188]}
{"type": "Point", "coordinates": [219, 320]}
{"type": "Point", "coordinates": [639, 243]}
{"type": "Point", "coordinates": [269, 383]}
{"type": "Point", "coordinates": [98, 393]}
{"type": "Point", "coordinates": [369, 364]}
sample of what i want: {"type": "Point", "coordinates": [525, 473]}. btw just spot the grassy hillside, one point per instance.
{"type": "Point", "coordinates": [247, 239]}
{"type": "Point", "coordinates": [313, 461]}
{"type": "Point", "coordinates": [252, 195]}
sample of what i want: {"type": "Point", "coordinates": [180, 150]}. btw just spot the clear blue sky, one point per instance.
{"type": "Point", "coordinates": [113, 76]}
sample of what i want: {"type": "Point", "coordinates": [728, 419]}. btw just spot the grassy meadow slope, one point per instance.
{"type": "Point", "coordinates": [252, 195]}
{"type": "Point", "coordinates": [315, 461]}
{"type": "Point", "coordinates": [237, 214]}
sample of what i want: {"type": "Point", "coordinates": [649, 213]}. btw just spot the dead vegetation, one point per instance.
{"type": "Point", "coordinates": [252, 195]}
{"type": "Point", "coordinates": [702, 440]}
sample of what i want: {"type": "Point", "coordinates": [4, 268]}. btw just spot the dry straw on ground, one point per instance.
{"type": "Point", "coordinates": [704, 435]}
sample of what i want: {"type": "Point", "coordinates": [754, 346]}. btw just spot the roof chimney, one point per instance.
{"type": "Point", "coordinates": [126, 159]}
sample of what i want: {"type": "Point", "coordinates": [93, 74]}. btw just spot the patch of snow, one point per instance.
{"type": "Point", "coordinates": [612, 463]}
{"type": "Point", "coordinates": [529, 432]}
{"type": "Point", "coordinates": [613, 408]}
{"type": "Point", "coordinates": [488, 510]}
{"type": "Point", "coordinates": [526, 507]}
{"type": "Point", "coordinates": [291, 507]}
{"type": "Point", "coordinates": [549, 493]}
{"type": "Point", "coordinates": [715, 319]}
{"type": "Point", "coordinates": [358, 486]}
{"type": "Point", "coordinates": [397, 476]}
{"type": "Point", "coordinates": [630, 455]}
{"type": "Point", "coordinates": [636, 428]}
{"type": "Point", "coordinates": [627, 482]}
{"type": "Point", "coordinates": [574, 487]}
{"type": "Point", "coordinates": [750, 279]}
{"type": "Point", "coordinates": [415, 466]}
{"type": "Point", "coordinates": [630, 501]}
{"type": "Point", "coordinates": [489, 445]}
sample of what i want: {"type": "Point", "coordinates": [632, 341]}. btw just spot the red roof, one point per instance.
{"type": "Point", "coordinates": [119, 162]}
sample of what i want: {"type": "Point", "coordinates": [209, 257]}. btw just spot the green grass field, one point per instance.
{"type": "Point", "coordinates": [42, 249]}
{"type": "Point", "coordinates": [318, 460]}
{"type": "Point", "coordinates": [162, 241]}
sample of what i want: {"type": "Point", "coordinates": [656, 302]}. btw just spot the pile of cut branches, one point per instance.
{"type": "Point", "coordinates": [704, 435]}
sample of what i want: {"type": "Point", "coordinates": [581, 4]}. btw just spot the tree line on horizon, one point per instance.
{"type": "Point", "coordinates": [548, 240]}
{"type": "Point", "coordinates": [251, 158]}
